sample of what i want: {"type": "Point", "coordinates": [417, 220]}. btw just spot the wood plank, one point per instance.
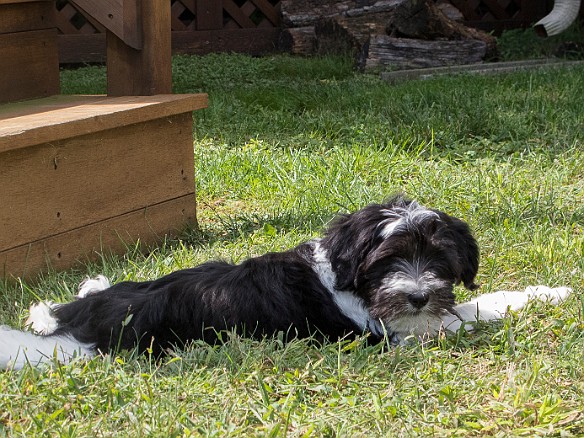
{"type": "Point", "coordinates": [26, 16]}
{"type": "Point", "coordinates": [51, 119]}
{"type": "Point", "coordinates": [115, 235]}
{"type": "Point", "coordinates": [58, 186]}
{"type": "Point", "coordinates": [121, 17]}
{"type": "Point", "coordinates": [209, 14]}
{"type": "Point", "coordinates": [251, 41]}
{"type": "Point", "coordinates": [259, 41]}
{"type": "Point", "coordinates": [142, 72]}
{"type": "Point", "coordinates": [483, 68]}
{"type": "Point", "coordinates": [9, 2]}
{"type": "Point", "coordinates": [75, 49]}
{"type": "Point", "coordinates": [29, 66]}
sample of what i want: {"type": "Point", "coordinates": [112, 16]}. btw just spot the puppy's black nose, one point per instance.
{"type": "Point", "coordinates": [418, 300]}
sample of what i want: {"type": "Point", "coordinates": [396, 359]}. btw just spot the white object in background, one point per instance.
{"type": "Point", "coordinates": [559, 19]}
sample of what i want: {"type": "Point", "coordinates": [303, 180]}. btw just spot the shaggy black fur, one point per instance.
{"type": "Point", "coordinates": [285, 292]}
{"type": "Point", "coordinates": [277, 292]}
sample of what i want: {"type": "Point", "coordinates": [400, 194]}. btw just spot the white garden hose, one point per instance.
{"type": "Point", "coordinates": [562, 15]}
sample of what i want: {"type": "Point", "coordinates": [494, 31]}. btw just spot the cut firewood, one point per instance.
{"type": "Point", "coordinates": [423, 19]}
{"type": "Point", "coordinates": [361, 27]}
{"type": "Point", "coordinates": [401, 53]}
{"type": "Point", "coordinates": [344, 34]}
{"type": "Point", "coordinates": [300, 13]}
{"type": "Point", "coordinates": [298, 40]}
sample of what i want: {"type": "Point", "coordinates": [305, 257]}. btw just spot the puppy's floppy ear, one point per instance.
{"type": "Point", "coordinates": [467, 248]}
{"type": "Point", "coordinates": [348, 241]}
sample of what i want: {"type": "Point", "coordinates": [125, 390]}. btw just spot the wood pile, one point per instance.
{"type": "Point", "coordinates": [394, 34]}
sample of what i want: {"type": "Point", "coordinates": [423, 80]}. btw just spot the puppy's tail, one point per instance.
{"type": "Point", "coordinates": [18, 348]}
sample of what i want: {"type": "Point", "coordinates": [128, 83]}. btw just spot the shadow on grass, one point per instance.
{"type": "Point", "coordinates": [230, 228]}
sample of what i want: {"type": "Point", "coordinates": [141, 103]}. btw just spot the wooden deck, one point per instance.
{"type": "Point", "coordinates": [89, 174]}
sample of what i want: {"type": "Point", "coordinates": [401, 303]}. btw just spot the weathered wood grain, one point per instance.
{"type": "Point", "coordinates": [77, 181]}
{"type": "Point", "coordinates": [298, 40]}
{"type": "Point", "coordinates": [23, 124]}
{"type": "Point", "coordinates": [29, 65]}
{"type": "Point", "coordinates": [401, 53]}
{"type": "Point", "coordinates": [298, 13]}
{"type": "Point", "coordinates": [76, 167]}
{"type": "Point", "coordinates": [148, 71]}
{"type": "Point", "coordinates": [121, 17]}
{"type": "Point", "coordinates": [21, 17]}
{"type": "Point", "coordinates": [147, 226]}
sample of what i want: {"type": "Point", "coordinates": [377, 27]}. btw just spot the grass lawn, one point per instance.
{"type": "Point", "coordinates": [284, 145]}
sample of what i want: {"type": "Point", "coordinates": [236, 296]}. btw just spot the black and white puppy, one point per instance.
{"type": "Point", "coordinates": [386, 270]}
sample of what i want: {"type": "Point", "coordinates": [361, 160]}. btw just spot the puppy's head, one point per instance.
{"type": "Point", "coordinates": [402, 259]}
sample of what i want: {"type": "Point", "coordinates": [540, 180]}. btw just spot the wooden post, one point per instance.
{"type": "Point", "coordinates": [145, 72]}
{"type": "Point", "coordinates": [29, 60]}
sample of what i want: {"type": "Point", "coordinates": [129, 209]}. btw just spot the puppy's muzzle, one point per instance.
{"type": "Point", "coordinates": [418, 299]}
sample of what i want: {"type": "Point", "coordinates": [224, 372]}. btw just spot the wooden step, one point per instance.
{"type": "Point", "coordinates": [88, 174]}
{"type": "Point", "coordinates": [65, 116]}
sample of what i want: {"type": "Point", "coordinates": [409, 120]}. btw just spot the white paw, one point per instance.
{"type": "Point", "coordinates": [550, 295]}
{"type": "Point", "coordinates": [93, 285]}
{"type": "Point", "coordinates": [41, 319]}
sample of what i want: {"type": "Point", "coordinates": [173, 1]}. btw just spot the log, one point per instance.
{"type": "Point", "coordinates": [300, 13]}
{"type": "Point", "coordinates": [423, 19]}
{"type": "Point", "coordinates": [450, 11]}
{"type": "Point", "coordinates": [406, 53]}
{"type": "Point", "coordinates": [358, 26]}
{"type": "Point", "coordinates": [339, 34]}
{"type": "Point", "coordinates": [356, 29]}
{"type": "Point", "coordinates": [298, 41]}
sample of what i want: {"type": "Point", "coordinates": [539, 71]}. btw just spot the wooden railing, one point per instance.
{"type": "Point", "coordinates": [198, 26]}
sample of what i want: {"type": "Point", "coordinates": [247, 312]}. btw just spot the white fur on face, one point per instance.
{"type": "Point", "coordinates": [415, 321]}
{"type": "Point", "coordinates": [419, 325]}
{"type": "Point", "coordinates": [410, 281]}
{"type": "Point", "coordinates": [399, 218]}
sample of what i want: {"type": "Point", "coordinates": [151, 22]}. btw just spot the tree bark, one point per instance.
{"type": "Point", "coordinates": [298, 40]}
{"type": "Point", "coordinates": [299, 13]}
{"type": "Point", "coordinates": [423, 19]}
{"type": "Point", "coordinates": [407, 53]}
{"type": "Point", "coordinates": [359, 27]}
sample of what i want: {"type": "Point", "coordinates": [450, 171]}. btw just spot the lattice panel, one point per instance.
{"type": "Point", "coordinates": [250, 13]}
{"type": "Point", "coordinates": [186, 15]}
{"type": "Point", "coordinates": [71, 20]}
{"type": "Point", "coordinates": [183, 15]}
{"type": "Point", "coordinates": [497, 10]}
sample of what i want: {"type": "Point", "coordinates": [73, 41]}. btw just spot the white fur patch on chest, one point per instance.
{"type": "Point", "coordinates": [348, 303]}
